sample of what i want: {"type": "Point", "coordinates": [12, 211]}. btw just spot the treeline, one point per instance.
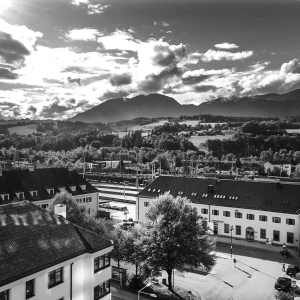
{"type": "Point", "coordinates": [208, 118]}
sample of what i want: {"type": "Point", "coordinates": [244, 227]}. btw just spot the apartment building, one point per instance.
{"type": "Point", "coordinates": [262, 211]}
{"type": "Point", "coordinates": [43, 256]}
{"type": "Point", "coordinates": [39, 186]}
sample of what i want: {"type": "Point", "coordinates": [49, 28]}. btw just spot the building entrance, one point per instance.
{"type": "Point", "coordinates": [215, 227]}
{"type": "Point", "coordinates": [249, 233]}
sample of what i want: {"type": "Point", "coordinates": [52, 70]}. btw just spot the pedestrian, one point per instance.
{"type": "Point", "coordinates": [284, 246]}
{"type": "Point", "coordinates": [283, 267]}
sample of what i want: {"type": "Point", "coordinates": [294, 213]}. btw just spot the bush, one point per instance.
{"type": "Point", "coordinates": [281, 295]}
{"type": "Point", "coordinates": [135, 283]}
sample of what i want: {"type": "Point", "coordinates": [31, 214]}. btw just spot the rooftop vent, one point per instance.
{"type": "Point", "coordinates": [277, 185]}
{"type": "Point", "coordinates": [210, 188]}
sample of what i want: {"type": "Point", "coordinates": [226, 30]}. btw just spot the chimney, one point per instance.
{"type": "Point", "coordinates": [70, 168]}
{"type": "Point", "coordinates": [31, 168]}
{"type": "Point", "coordinates": [60, 210]}
{"type": "Point", "coordinates": [210, 188]}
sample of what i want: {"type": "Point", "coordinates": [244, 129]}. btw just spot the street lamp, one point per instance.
{"type": "Point", "coordinates": [231, 229]}
{"type": "Point", "coordinates": [140, 292]}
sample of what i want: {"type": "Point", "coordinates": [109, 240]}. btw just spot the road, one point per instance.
{"type": "Point", "coordinates": [249, 279]}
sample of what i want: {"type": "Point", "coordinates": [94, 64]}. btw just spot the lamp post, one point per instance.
{"type": "Point", "coordinates": [140, 292]}
{"type": "Point", "coordinates": [231, 229]}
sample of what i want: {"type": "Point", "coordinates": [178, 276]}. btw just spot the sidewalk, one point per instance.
{"type": "Point", "coordinates": [255, 245]}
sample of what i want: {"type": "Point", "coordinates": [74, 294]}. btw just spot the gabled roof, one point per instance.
{"type": "Point", "coordinates": [280, 162]}
{"type": "Point", "coordinates": [40, 180]}
{"type": "Point", "coordinates": [32, 240]}
{"type": "Point", "coordinates": [265, 196]}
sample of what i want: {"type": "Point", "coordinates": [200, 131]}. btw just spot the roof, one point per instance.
{"type": "Point", "coordinates": [279, 162]}
{"type": "Point", "coordinates": [33, 239]}
{"type": "Point", "coordinates": [41, 180]}
{"type": "Point", "coordinates": [257, 195]}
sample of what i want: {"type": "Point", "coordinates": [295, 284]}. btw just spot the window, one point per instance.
{"type": "Point", "coordinates": [226, 213]}
{"type": "Point", "coordinates": [290, 237]}
{"type": "Point", "coordinates": [215, 212]}
{"type": "Point", "coordinates": [4, 295]}
{"type": "Point", "coordinates": [263, 218]}
{"type": "Point", "coordinates": [5, 197]}
{"type": "Point", "coordinates": [29, 289]}
{"type": "Point", "coordinates": [55, 277]}
{"type": "Point", "coordinates": [33, 193]}
{"type": "Point", "coordinates": [276, 235]}
{"type": "Point", "coordinates": [101, 290]}
{"type": "Point", "coordinates": [146, 204]}
{"type": "Point", "coordinates": [238, 215]}
{"type": "Point", "coordinates": [262, 233]}
{"type": "Point", "coordinates": [101, 262]}
{"type": "Point", "coordinates": [276, 220]}
{"type": "Point", "coordinates": [250, 216]}
{"type": "Point", "coordinates": [88, 199]}
{"type": "Point", "coordinates": [226, 228]}
{"type": "Point", "coordinates": [238, 230]}
{"type": "Point", "coordinates": [72, 188]}
{"type": "Point", "coordinates": [89, 211]}
{"type": "Point", "coordinates": [61, 188]}
{"type": "Point", "coordinates": [20, 195]}
{"type": "Point", "coordinates": [50, 191]}
{"type": "Point", "coordinates": [204, 211]}
{"type": "Point", "coordinates": [204, 224]}
{"type": "Point", "coordinates": [290, 221]}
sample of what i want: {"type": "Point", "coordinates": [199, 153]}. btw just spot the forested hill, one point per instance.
{"type": "Point", "coordinates": [157, 105]}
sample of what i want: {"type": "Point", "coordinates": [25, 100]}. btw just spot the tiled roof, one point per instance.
{"type": "Point", "coordinates": [235, 193]}
{"type": "Point", "coordinates": [32, 239]}
{"type": "Point", "coordinates": [280, 162]}
{"type": "Point", "coordinates": [40, 179]}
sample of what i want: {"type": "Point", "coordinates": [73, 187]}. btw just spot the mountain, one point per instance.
{"type": "Point", "coordinates": [157, 105]}
{"type": "Point", "coordinates": [151, 106]}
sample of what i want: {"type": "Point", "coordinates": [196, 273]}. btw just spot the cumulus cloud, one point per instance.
{"type": "Point", "coordinates": [204, 88]}
{"type": "Point", "coordinates": [53, 110]}
{"type": "Point", "coordinates": [226, 46]}
{"type": "Point", "coordinates": [211, 55]}
{"type": "Point", "coordinates": [7, 73]}
{"type": "Point", "coordinates": [120, 79]}
{"type": "Point", "coordinates": [83, 34]}
{"type": "Point", "coordinates": [32, 109]}
{"type": "Point", "coordinates": [189, 80]}
{"type": "Point", "coordinates": [162, 23]}
{"type": "Point", "coordinates": [78, 2]}
{"type": "Point", "coordinates": [74, 80]}
{"type": "Point", "coordinates": [113, 94]}
{"type": "Point", "coordinates": [5, 4]}
{"type": "Point", "coordinates": [119, 40]}
{"type": "Point", "coordinates": [11, 50]}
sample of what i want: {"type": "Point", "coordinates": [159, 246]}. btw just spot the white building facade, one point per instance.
{"type": "Point", "coordinates": [265, 221]}
{"type": "Point", "coordinates": [83, 269]}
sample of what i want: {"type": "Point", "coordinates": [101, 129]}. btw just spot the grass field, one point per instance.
{"type": "Point", "coordinates": [23, 130]}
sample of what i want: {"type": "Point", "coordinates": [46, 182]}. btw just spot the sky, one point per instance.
{"type": "Point", "coordinates": [61, 57]}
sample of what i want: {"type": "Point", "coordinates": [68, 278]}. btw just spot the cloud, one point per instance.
{"type": "Point", "coordinates": [7, 104]}
{"type": "Point", "coordinates": [83, 34]}
{"type": "Point", "coordinates": [292, 66]}
{"type": "Point", "coordinates": [120, 79]}
{"type": "Point", "coordinates": [204, 88]}
{"type": "Point", "coordinates": [79, 2]}
{"type": "Point", "coordinates": [189, 80]}
{"type": "Point", "coordinates": [73, 80]}
{"type": "Point", "coordinates": [53, 110]}
{"type": "Point", "coordinates": [6, 73]}
{"type": "Point", "coordinates": [169, 31]}
{"type": "Point", "coordinates": [111, 95]}
{"type": "Point", "coordinates": [119, 40]}
{"type": "Point", "coordinates": [94, 9]}
{"type": "Point", "coordinates": [11, 50]}
{"type": "Point", "coordinates": [211, 55]}
{"type": "Point", "coordinates": [162, 23]}
{"type": "Point", "coordinates": [5, 4]}
{"type": "Point", "coordinates": [226, 46]}
{"type": "Point", "coordinates": [32, 109]}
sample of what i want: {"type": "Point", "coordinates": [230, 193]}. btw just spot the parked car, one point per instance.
{"type": "Point", "coordinates": [283, 283]}
{"type": "Point", "coordinates": [292, 270]}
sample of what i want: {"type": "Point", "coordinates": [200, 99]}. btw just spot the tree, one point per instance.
{"type": "Point", "coordinates": [281, 295]}
{"type": "Point", "coordinates": [78, 215]}
{"type": "Point", "coordinates": [176, 237]}
{"type": "Point", "coordinates": [119, 237]}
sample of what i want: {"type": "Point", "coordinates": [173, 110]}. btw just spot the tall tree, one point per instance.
{"type": "Point", "coordinates": [77, 213]}
{"type": "Point", "coordinates": [176, 237]}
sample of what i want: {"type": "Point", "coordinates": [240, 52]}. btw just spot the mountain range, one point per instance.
{"type": "Point", "coordinates": [157, 105]}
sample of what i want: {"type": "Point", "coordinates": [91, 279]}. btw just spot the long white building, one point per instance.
{"type": "Point", "coordinates": [43, 256]}
{"type": "Point", "coordinates": [39, 186]}
{"type": "Point", "coordinates": [257, 210]}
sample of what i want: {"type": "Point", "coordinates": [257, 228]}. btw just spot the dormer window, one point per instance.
{"type": "Point", "coordinates": [72, 187]}
{"type": "Point", "coordinates": [83, 186]}
{"type": "Point", "coordinates": [4, 196]}
{"type": "Point", "coordinates": [50, 190]}
{"type": "Point", "coordinates": [61, 188]}
{"type": "Point", "coordinates": [33, 193]}
{"type": "Point", "coordinates": [20, 195]}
